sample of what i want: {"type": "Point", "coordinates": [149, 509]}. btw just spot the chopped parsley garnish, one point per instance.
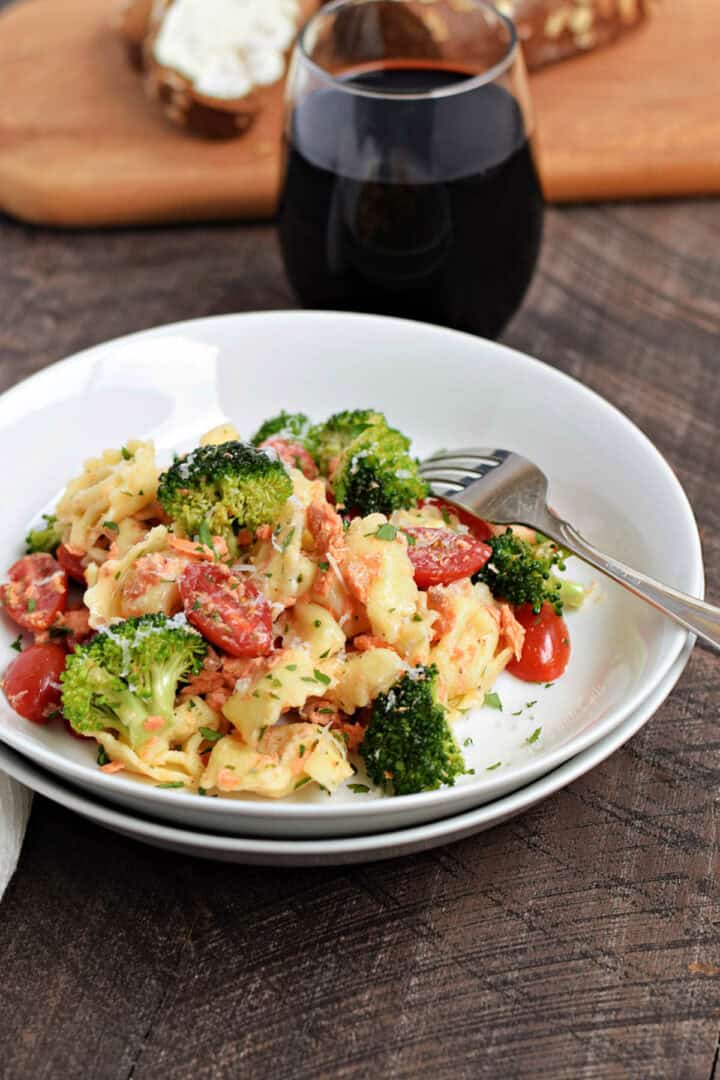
{"type": "Point", "coordinates": [111, 525]}
{"type": "Point", "coordinates": [204, 534]}
{"type": "Point", "coordinates": [324, 655]}
{"type": "Point", "coordinates": [301, 750]}
{"type": "Point", "coordinates": [495, 766]}
{"type": "Point", "coordinates": [102, 756]}
{"type": "Point", "coordinates": [59, 631]}
{"type": "Point", "coordinates": [320, 676]}
{"type": "Point", "coordinates": [31, 604]}
{"type": "Point", "coordinates": [291, 667]}
{"type": "Point", "coordinates": [17, 644]}
{"type": "Point", "coordinates": [172, 784]}
{"type": "Point", "coordinates": [535, 736]}
{"type": "Point", "coordinates": [323, 566]}
{"type": "Point", "coordinates": [317, 624]}
{"type": "Point", "coordinates": [196, 606]}
{"type": "Point", "coordinates": [412, 540]}
{"type": "Point", "coordinates": [126, 453]}
{"type": "Point", "coordinates": [493, 700]}
{"type": "Point", "coordinates": [529, 704]}
{"type": "Point", "coordinates": [210, 734]}
{"type": "Point", "coordinates": [301, 783]}
{"type": "Point", "coordinates": [417, 618]}
{"type": "Point", "coordinates": [468, 742]}
{"type": "Point", "coordinates": [359, 789]}
{"type": "Point", "coordinates": [385, 531]}
{"type": "Point", "coordinates": [326, 711]}
{"type": "Point", "coordinates": [287, 539]}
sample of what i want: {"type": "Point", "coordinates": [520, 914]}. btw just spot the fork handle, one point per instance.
{"type": "Point", "coordinates": [695, 615]}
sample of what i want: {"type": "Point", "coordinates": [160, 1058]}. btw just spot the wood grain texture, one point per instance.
{"type": "Point", "coordinates": [579, 942]}
{"type": "Point", "coordinates": [81, 145]}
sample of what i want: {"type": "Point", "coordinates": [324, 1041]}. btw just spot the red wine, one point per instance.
{"type": "Point", "coordinates": [425, 208]}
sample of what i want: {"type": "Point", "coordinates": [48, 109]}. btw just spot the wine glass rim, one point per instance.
{"type": "Point", "coordinates": [472, 82]}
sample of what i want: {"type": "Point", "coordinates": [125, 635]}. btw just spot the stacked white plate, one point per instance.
{"type": "Point", "coordinates": [444, 389]}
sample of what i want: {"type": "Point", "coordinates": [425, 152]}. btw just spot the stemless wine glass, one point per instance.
{"type": "Point", "coordinates": [411, 187]}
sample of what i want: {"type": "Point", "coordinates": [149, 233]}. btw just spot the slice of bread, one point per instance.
{"type": "Point", "coordinates": [206, 61]}
{"type": "Point", "coordinates": [553, 30]}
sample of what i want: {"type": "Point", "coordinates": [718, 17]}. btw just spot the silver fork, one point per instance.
{"type": "Point", "coordinates": [507, 489]}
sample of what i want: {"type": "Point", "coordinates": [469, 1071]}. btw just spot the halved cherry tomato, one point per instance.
{"type": "Point", "coordinates": [293, 454]}
{"type": "Point", "coordinates": [226, 609]}
{"type": "Point", "coordinates": [71, 563]}
{"type": "Point", "coordinates": [36, 592]}
{"type": "Point", "coordinates": [32, 682]}
{"type": "Point", "coordinates": [546, 650]}
{"type": "Point", "coordinates": [440, 556]}
{"type": "Point", "coordinates": [479, 528]}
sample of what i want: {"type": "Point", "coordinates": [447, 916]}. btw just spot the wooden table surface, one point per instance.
{"type": "Point", "coordinates": [579, 941]}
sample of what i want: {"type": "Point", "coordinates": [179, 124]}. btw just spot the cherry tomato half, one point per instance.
{"type": "Point", "coordinates": [546, 650]}
{"type": "Point", "coordinates": [36, 591]}
{"type": "Point", "coordinates": [479, 528]}
{"type": "Point", "coordinates": [71, 563]}
{"type": "Point", "coordinates": [32, 682]}
{"type": "Point", "coordinates": [293, 454]}
{"type": "Point", "coordinates": [440, 556]}
{"type": "Point", "coordinates": [226, 609]}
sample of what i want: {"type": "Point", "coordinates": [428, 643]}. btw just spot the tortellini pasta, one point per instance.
{"type": "Point", "coordinates": [284, 759]}
{"type": "Point", "coordinates": [110, 488]}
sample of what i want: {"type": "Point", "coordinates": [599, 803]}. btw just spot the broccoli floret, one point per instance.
{"type": "Point", "coordinates": [327, 442]}
{"type": "Point", "coordinates": [522, 573]}
{"type": "Point", "coordinates": [367, 461]}
{"type": "Point", "coordinates": [408, 743]}
{"type": "Point", "coordinates": [47, 538]}
{"type": "Point", "coordinates": [376, 474]}
{"type": "Point", "coordinates": [291, 426]}
{"type": "Point", "coordinates": [128, 673]}
{"type": "Point", "coordinates": [224, 488]}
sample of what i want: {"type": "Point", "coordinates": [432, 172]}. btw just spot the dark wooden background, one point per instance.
{"type": "Point", "coordinates": [580, 941]}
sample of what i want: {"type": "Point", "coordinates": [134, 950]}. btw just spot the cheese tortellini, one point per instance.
{"type": "Point", "coordinates": [115, 486]}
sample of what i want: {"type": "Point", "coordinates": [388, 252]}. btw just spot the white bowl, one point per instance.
{"type": "Point", "coordinates": [444, 389]}
{"type": "Point", "coordinates": [265, 851]}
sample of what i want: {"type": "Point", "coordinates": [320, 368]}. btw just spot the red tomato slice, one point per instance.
{"type": "Point", "coordinates": [440, 556]}
{"type": "Point", "coordinates": [71, 563]}
{"type": "Point", "coordinates": [479, 528]}
{"type": "Point", "coordinates": [546, 650]}
{"type": "Point", "coordinates": [32, 682]}
{"type": "Point", "coordinates": [226, 609]}
{"type": "Point", "coordinates": [293, 454]}
{"type": "Point", "coordinates": [36, 592]}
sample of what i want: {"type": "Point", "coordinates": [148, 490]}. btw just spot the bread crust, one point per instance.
{"type": "Point", "coordinates": [134, 20]}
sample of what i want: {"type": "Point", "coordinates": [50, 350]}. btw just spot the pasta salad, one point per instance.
{"type": "Point", "coordinates": [268, 614]}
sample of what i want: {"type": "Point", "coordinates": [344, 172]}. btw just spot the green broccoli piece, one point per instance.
{"type": "Point", "coordinates": [376, 474]}
{"type": "Point", "coordinates": [522, 573]}
{"type": "Point", "coordinates": [327, 442]}
{"type": "Point", "coordinates": [221, 489]}
{"type": "Point", "coordinates": [47, 538]}
{"type": "Point", "coordinates": [128, 673]}
{"type": "Point", "coordinates": [368, 462]}
{"type": "Point", "coordinates": [408, 743]}
{"type": "Point", "coordinates": [291, 426]}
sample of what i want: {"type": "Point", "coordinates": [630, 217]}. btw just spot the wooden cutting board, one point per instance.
{"type": "Point", "coordinates": [81, 145]}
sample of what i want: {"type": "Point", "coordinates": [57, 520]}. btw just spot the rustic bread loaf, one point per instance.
{"type": "Point", "coordinates": [552, 30]}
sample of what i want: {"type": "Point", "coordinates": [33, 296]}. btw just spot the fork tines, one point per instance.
{"type": "Point", "coordinates": [456, 469]}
